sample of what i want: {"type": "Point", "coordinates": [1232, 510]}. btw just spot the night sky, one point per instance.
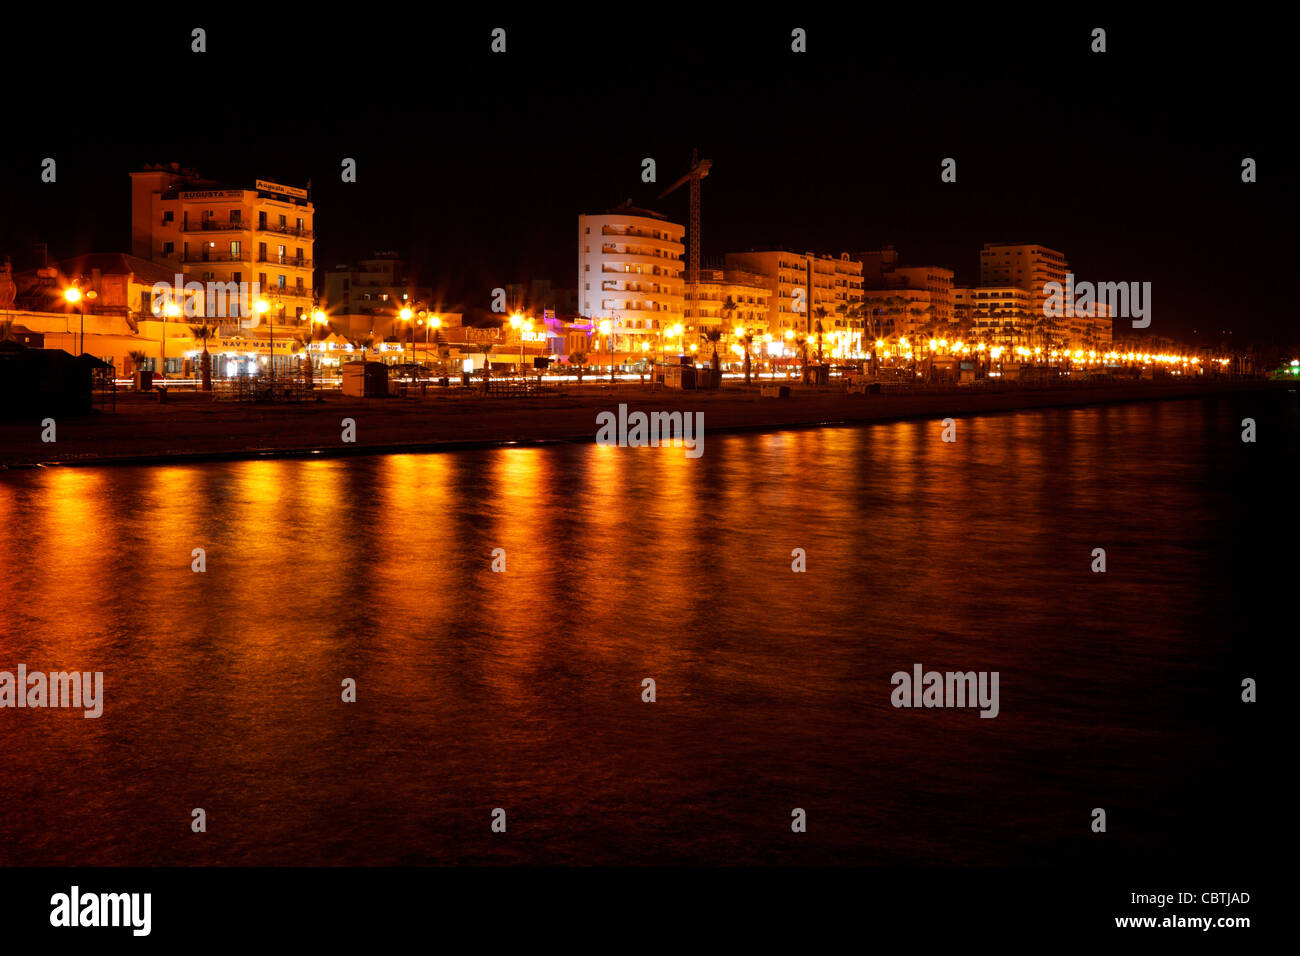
{"type": "Point", "coordinates": [475, 166]}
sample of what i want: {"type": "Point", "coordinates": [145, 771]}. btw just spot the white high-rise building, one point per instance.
{"type": "Point", "coordinates": [630, 264]}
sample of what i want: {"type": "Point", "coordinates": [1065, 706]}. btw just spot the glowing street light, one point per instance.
{"type": "Point", "coordinates": [73, 296]}
{"type": "Point", "coordinates": [606, 328]}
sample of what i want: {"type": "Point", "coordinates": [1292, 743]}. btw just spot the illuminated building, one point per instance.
{"type": "Point", "coordinates": [881, 271]}
{"type": "Point", "coordinates": [630, 275]}
{"type": "Point", "coordinates": [799, 285]}
{"type": "Point", "coordinates": [211, 232]}
{"type": "Point", "coordinates": [1008, 316]}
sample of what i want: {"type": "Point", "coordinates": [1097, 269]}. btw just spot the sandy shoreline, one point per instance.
{"type": "Point", "coordinates": [192, 427]}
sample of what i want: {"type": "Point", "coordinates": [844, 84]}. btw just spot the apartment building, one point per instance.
{"type": "Point", "coordinates": [883, 278]}
{"type": "Point", "coordinates": [212, 232]}
{"type": "Point", "coordinates": [801, 285]}
{"type": "Point", "coordinates": [746, 291]}
{"type": "Point", "coordinates": [1001, 315]}
{"type": "Point", "coordinates": [630, 273]}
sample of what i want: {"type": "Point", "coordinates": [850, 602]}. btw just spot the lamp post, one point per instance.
{"type": "Point", "coordinates": [521, 326]}
{"type": "Point", "coordinates": [434, 322]}
{"type": "Point", "coordinates": [262, 308]}
{"type": "Point", "coordinates": [317, 318]}
{"type": "Point", "coordinates": [420, 319]}
{"type": "Point", "coordinates": [606, 328]}
{"type": "Point", "coordinates": [169, 310]}
{"type": "Point", "coordinates": [405, 315]}
{"type": "Point", "coordinates": [74, 297]}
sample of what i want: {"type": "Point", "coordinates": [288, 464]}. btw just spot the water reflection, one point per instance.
{"type": "Point", "coordinates": [522, 689]}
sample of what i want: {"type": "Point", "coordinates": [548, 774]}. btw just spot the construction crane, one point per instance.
{"type": "Point", "coordinates": [699, 169]}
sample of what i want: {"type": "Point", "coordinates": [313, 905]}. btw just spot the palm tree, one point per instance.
{"type": "Point", "coordinates": [303, 341]}
{"type": "Point", "coordinates": [802, 341]}
{"type": "Point", "coordinates": [896, 309]}
{"type": "Point", "coordinates": [138, 359]}
{"type": "Point", "coordinates": [820, 313]}
{"type": "Point", "coordinates": [713, 335]}
{"type": "Point", "coordinates": [203, 333]}
{"type": "Point", "coordinates": [7, 330]}
{"type": "Point", "coordinates": [747, 340]}
{"type": "Point", "coordinates": [485, 348]}
{"type": "Point", "coordinates": [579, 360]}
{"type": "Point", "coordinates": [362, 341]}
{"type": "Point", "coordinates": [729, 310]}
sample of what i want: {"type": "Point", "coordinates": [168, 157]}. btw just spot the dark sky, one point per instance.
{"type": "Point", "coordinates": [475, 166]}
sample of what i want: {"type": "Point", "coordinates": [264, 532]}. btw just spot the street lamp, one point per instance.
{"type": "Point", "coordinates": [606, 328]}
{"type": "Point", "coordinates": [73, 296]}
{"type": "Point", "coordinates": [170, 310]}
{"type": "Point", "coordinates": [521, 326]}
{"type": "Point", "coordinates": [263, 308]}
{"type": "Point", "coordinates": [405, 315]}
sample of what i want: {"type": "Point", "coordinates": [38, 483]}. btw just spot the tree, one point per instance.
{"type": "Point", "coordinates": [138, 359]}
{"type": "Point", "coordinates": [820, 314]}
{"type": "Point", "coordinates": [729, 311]}
{"type": "Point", "coordinates": [896, 309]}
{"type": "Point", "coordinates": [203, 333]}
{"type": "Point", "coordinates": [7, 330]}
{"type": "Point", "coordinates": [362, 341]}
{"type": "Point", "coordinates": [746, 341]}
{"type": "Point", "coordinates": [303, 341]}
{"type": "Point", "coordinates": [579, 361]}
{"type": "Point", "coordinates": [713, 335]}
{"type": "Point", "coordinates": [802, 341]}
{"type": "Point", "coordinates": [485, 348]}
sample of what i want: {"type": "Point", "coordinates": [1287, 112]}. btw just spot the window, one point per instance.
{"type": "Point", "coordinates": [169, 248]}
{"type": "Point", "coordinates": [169, 216]}
{"type": "Point", "coordinates": [234, 249]}
{"type": "Point", "coordinates": [236, 215]}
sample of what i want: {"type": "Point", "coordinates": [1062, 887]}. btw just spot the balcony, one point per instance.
{"type": "Point", "coordinates": [297, 262]}
{"type": "Point", "coordinates": [285, 230]}
{"type": "Point", "coordinates": [214, 225]}
{"type": "Point", "coordinates": [216, 257]}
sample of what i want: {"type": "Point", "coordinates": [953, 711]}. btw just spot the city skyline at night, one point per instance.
{"type": "Point", "coordinates": [621, 469]}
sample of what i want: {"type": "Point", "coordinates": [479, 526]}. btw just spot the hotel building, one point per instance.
{"type": "Point", "coordinates": [210, 232]}
{"type": "Point", "coordinates": [823, 282]}
{"type": "Point", "coordinates": [707, 305]}
{"type": "Point", "coordinates": [911, 299]}
{"type": "Point", "coordinates": [630, 273]}
{"type": "Point", "coordinates": [1001, 315]}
